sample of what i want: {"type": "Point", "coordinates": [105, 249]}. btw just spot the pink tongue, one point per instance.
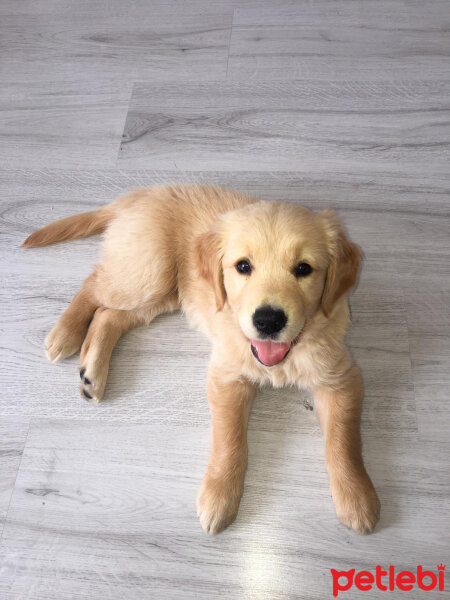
{"type": "Point", "coordinates": [271, 353]}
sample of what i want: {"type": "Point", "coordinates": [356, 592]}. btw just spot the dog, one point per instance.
{"type": "Point", "coordinates": [266, 281]}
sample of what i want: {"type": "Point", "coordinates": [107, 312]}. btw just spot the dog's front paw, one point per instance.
{"type": "Point", "coordinates": [356, 502]}
{"type": "Point", "coordinates": [218, 502]}
{"type": "Point", "coordinates": [62, 341]}
{"type": "Point", "coordinates": [93, 375]}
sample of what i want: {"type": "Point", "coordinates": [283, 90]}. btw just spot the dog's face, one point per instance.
{"type": "Point", "coordinates": [276, 265]}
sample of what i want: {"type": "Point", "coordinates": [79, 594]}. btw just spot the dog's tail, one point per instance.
{"type": "Point", "coordinates": [71, 228]}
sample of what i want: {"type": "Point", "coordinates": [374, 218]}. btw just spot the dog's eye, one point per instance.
{"type": "Point", "coordinates": [302, 270]}
{"type": "Point", "coordinates": [244, 267]}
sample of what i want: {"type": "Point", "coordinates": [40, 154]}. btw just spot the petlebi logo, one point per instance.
{"type": "Point", "coordinates": [388, 580]}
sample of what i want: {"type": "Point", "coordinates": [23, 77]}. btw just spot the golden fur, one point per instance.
{"type": "Point", "coordinates": [173, 247]}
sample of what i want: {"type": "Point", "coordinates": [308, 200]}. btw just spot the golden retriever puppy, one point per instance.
{"type": "Point", "coordinates": [266, 281]}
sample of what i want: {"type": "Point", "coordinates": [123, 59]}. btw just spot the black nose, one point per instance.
{"type": "Point", "coordinates": [268, 320]}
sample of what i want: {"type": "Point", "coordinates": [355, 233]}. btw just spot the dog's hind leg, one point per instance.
{"type": "Point", "coordinates": [70, 330]}
{"type": "Point", "coordinates": [107, 326]}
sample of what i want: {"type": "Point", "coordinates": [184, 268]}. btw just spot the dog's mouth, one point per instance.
{"type": "Point", "coordinates": [270, 353]}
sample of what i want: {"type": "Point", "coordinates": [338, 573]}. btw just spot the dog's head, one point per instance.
{"type": "Point", "coordinates": [276, 265]}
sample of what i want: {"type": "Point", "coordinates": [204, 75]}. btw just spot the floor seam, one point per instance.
{"type": "Point", "coordinates": [229, 44]}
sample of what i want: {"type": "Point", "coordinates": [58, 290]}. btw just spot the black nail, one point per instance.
{"type": "Point", "coordinates": [86, 395]}
{"type": "Point", "coordinates": [82, 372]}
{"type": "Point", "coordinates": [87, 381]}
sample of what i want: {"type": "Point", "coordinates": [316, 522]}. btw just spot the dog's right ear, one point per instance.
{"type": "Point", "coordinates": [208, 255]}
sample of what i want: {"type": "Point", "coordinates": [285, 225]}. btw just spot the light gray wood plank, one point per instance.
{"type": "Point", "coordinates": [13, 433]}
{"type": "Point", "coordinates": [384, 14]}
{"type": "Point", "coordinates": [289, 67]}
{"type": "Point", "coordinates": [109, 509]}
{"type": "Point", "coordinates": [340, 40]}
{"type": "Point", "coordinates": [429, 336]}
{"type": "Point", "coordinates": [68, 124]}
{"type": "Point", "coordinates": [95, 41]}
{"type": "Point", "coordinates": [353, 95]}
{"type": "Point", "coordinates": [288, 127]}
{"type": "Point", "coordinates": [354, 41]}
{"type": "Point", "coordinates": [159, 8]}
{"type": "Point", "coordinates": [419, 193]}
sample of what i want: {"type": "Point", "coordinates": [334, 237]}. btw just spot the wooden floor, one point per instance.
{"type": "Point", "coordinates": [333, 103]}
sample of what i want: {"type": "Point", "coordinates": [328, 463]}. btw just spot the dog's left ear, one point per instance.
{"type": "Point", "coordinates": [208, 255]}
{"type": "Point", "coordinates": [345, 258]}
